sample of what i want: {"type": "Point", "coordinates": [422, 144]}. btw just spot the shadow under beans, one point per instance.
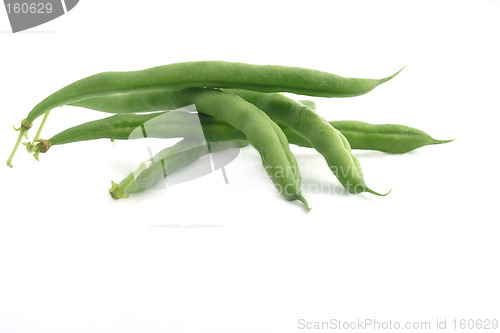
{"type": "Point", "coordinates": [361, 153]}
{"type": "Point", "coordinates": [316, 184]}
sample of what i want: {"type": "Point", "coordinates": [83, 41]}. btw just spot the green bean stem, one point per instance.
{"type": "Point", "coordinates": [39, 132]}
{"type": "Point", "coordinates": [18, 142]}
{"type": "Point", "coordinates": [23, 132]}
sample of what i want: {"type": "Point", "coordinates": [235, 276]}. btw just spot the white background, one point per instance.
{"type": "Point", "coordinates": [204, 256]}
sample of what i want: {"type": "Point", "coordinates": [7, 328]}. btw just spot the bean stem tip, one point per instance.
{"type": "Point", "coordinates": [116, 191]}
{"type": "Point", "coordinates": [22, 133]}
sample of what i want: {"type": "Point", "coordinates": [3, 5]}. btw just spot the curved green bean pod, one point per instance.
{"type": "Point", "coordinates": [260, 131]}
{"type": "Point", "coordinates": [208, 74]}
{"type": "Point", "coordinates": [328, 141]}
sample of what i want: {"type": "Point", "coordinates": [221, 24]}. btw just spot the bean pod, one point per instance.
{"type": "Point", "coordinates": [322, 136]}
{"type": "Point", "coordinates": [163, 164]}
{"type": "Point", "coordinates": [205, 74]}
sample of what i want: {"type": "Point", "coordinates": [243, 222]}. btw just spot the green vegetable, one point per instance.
{"type": "Point", "coordinates": [389, 138]}
{"type": "Point", "coordinates": [208, 74]}
{"type": "Point", "coordinates": [322, 136]}
{"type": "Point", "coordinates": [260, 131]}
{"type": "Point", "coordinates": [236, 104]}
{"type": "Point", "coordinates": [164, 163]}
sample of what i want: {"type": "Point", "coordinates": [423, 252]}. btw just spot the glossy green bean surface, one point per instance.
{"type": "Point", "coordinates": [201, 74]}
{"type": "Point", "coordinates": [210, 74]}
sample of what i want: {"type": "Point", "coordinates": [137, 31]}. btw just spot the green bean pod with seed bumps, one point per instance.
{"type": "Point", "coordinates": [322, 136]}
{"type": "Point", "coordinates": [202, 74]}
{"type": "Point", "coordinates": [210, 74]}
{"type": "Point", "coordinates": [260, 131]}
{"type": "Point", "coordinates": [389, 138]}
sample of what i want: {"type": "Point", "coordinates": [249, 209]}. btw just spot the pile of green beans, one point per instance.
{"type": "Point", "coordinates": [237, 104]}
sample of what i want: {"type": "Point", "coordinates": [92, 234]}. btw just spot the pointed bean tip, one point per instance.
{"type": "Point", "coordinates": [438, 142]}
{"type": "Point", "coordinates": [304, 201]}
{"type": "Point", "coordinates": [392, 76]}
{"type": "Point", "coordinates": [369, 190]}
